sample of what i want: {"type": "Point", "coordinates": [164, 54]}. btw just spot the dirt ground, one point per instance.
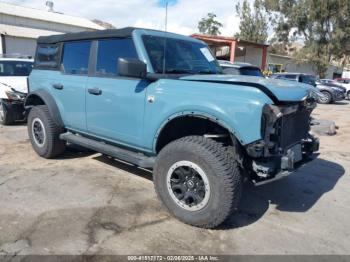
{"type": "Point", "coordinates": [85, 203]}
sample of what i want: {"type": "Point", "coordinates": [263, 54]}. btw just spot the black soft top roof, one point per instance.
{"type": "Point", "coordinates": [86, 35]}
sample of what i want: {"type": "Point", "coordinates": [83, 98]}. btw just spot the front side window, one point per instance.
{"type": "Point", "coordinates": [75, 58]}
{"type": "Point", "coordinates": [176, 56]}
{"type": "Point", "coordinates": [15, 68]}
{"type": "Point", "coordinates": [109, 51]}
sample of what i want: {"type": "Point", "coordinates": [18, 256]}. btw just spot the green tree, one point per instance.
{"type": "Point", "coordinates": [209, 25]}
{"type": "Point", "coordinates": [323, 27]}
{"type": "Point", "coordinates": [253, 22]}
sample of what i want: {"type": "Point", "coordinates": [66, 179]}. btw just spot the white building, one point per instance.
{"type": "Point", "coordinates": [277, 63]}
{"type": "Point", "coordinates": [21, 26]}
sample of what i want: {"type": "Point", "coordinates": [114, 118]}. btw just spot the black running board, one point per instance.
{"type": "Point", "coordinates": [137, 159]}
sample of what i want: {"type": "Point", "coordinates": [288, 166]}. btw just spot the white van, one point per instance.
{"type": "Point", "coordinates": [14, 72]}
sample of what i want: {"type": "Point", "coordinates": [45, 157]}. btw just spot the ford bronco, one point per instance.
{"type": "Point", "coordinates": [160, 101]}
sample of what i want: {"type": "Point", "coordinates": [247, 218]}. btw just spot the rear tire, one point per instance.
{"type": "Point", "coordinates": [5, 115]}
{"type": "Point", "coordinates": [44, 133]}
{"type": "Point", "coordinates": [215, 173]}
{"type": "Point", "coordinates": [348, 95]}
{"type": "Point", "coordinates": [326, 99]}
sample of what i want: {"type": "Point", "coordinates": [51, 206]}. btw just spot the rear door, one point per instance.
{"type": "Point", "coordinates": [114, 104]}
{"type": "Point", "coordinates": [68, 87]}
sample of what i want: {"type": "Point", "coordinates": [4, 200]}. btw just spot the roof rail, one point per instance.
{"type": "Point", "coordinates": [15, 55]}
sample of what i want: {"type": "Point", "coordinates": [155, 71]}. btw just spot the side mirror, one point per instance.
{"type": "Point", "coordinates": [131, 67]}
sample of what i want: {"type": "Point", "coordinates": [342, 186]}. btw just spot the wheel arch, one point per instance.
{"type": "Point", "coordinates": [42, 97]}
{"type": "Point", "coordinates": [180, 119]}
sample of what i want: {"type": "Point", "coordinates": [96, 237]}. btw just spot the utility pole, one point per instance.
{"type": "Point", "coordinates": [166, 16]}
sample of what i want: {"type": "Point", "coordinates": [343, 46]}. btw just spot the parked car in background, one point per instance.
{"type": "Point", "coordinates": [237, 68]}
{"type": "Point", "coordinates": [298, 77]}
{"type": "Point", "coordinates": [327, 92]}
{"type": "Point", "coordinates": [345, 82]}
{"type": "Point", "coordinates": [332, 92]}
{"type": "Point", "coordinates": [159, 101]}
{"type": "Point", "coordinates": [14, 72]}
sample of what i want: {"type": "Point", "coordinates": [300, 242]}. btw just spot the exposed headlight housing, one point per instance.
{"type": "Point", "coordinates": [15, 96]}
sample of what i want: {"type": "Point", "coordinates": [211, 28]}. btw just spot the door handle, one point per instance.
{"type": "Point", "coordinates": [57, 86]}
{"type": "Point", "coordinates": [95, 91]}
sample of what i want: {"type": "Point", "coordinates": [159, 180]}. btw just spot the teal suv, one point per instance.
{"type": "Point", "coordinates": [160, 101]}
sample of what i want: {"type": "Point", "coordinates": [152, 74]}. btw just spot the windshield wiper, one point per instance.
{"type": "Point", "coordinates": [206, 72]}
{"type": "Point", "coordinates": [178, 71]}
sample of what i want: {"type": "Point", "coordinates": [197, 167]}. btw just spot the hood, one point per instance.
{"type": "Point", "coordinates": [282, 90]}
{"type": "Point", "coordinates": [19, 83]}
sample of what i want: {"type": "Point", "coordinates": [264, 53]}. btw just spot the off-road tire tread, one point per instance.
{"type": "Point", "coordinates": [55, 145]}
{"type": "Point", "coordinates": [226, 169]}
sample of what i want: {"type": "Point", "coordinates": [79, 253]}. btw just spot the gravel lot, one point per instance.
{"type": "Point", "coordinates": [85, 203]}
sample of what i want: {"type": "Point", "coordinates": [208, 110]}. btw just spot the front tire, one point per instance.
{"type": "Point", "coordinates": [44, 133]}
{"type": "Point", "coordinates": [5, 115]}
{"type": "Point", "coordinates": [198, 181]}
{"type": "Point", "coordinates": [326, 99]}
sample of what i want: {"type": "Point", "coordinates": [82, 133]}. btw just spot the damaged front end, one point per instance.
{"type": "Point", "coordinates": [14, 104]}
{"type": "Point", "coordinates": [286, 142]}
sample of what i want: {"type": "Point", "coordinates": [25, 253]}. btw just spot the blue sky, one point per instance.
{"type": "Point", "coordinates": [163, 2]}
{"type": "Point", "coordinates": [183, 15]}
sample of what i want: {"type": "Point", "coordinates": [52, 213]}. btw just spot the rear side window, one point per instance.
{"type": "Point", "coordinates": [109, 51]}
{"type": "Point", "coordinates": [47, 56]}
{"type": "Point", "coordinates": [75, 59]}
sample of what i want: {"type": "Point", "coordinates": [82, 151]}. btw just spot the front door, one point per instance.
{"type": "Point", "coordinates": [115, 105]}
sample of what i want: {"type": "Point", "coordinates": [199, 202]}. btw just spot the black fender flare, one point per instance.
{"type": "Point", "coordinates": [42, 97]}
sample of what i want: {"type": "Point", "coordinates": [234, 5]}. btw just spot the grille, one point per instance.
{"type": "Point", "coordinates": [293, 128]}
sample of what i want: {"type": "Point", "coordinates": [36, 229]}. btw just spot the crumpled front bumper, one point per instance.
{"type": "Point", "coordinates": [286, 143]}
{"type": "Point", "coordinates": [278, 167]}
{"type": "Point", "coordinates": [15, 109]}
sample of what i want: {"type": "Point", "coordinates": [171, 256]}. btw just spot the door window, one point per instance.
{"type": "Point", "coordinates": [76, 57]}
{"type": "Point", "coordinates": [109, 51]}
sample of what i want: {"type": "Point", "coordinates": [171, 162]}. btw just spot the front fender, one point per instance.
{"type": "Point", "coordinates": [237, 108]}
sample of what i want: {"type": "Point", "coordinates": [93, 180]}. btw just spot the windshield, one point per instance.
{"type": "Point", "coordinates": [308, 79]}
{"type": "Point", "coordinates": [15, 68]}
{"type": "Point", "coordinates": [250, 71]}
{"type": "Point", "coordinates": [181, 56]}
{"type": "Point", "coordinates": [230, 70]}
